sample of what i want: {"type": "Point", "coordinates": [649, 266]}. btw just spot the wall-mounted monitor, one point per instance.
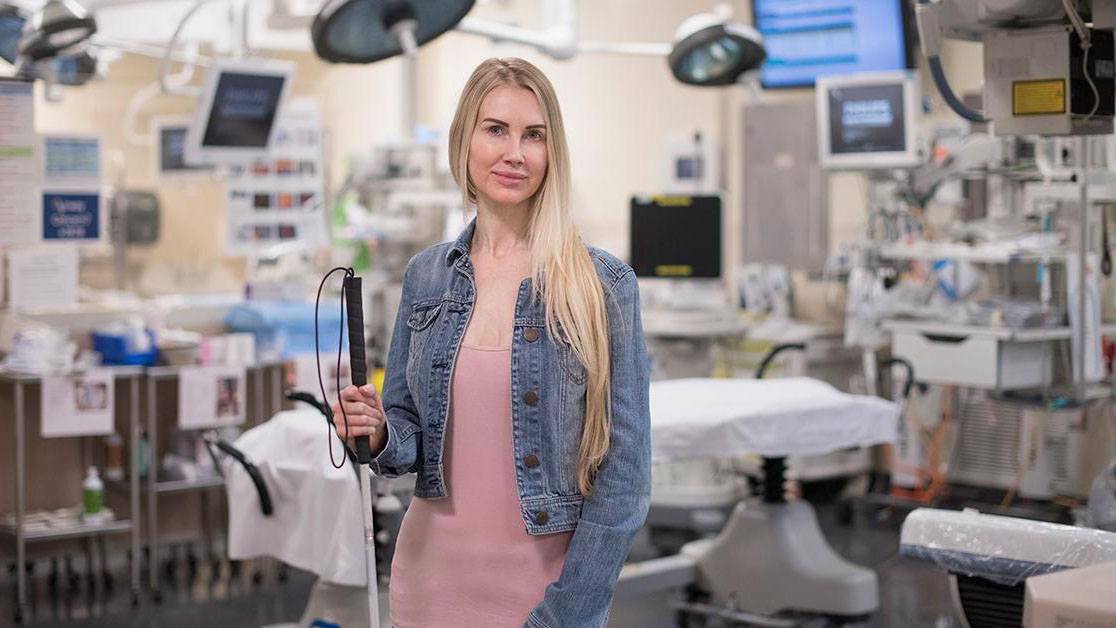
{"type": "Point", "coordinates": [676, 237]}
{"type": "Point", "coordinates": [806, 39]}
{"type": "Point", "coordinates": [868, 121]}
{"type": "Point", "coordinates": [239, 106]}
{"type": "Point", "coordinates": [168, 134]}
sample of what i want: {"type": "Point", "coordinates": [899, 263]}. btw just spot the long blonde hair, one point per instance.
{"type": "Point", "coordinates": [573, 295]}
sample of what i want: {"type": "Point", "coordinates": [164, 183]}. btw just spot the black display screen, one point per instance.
{"type": "Point", "coordinates": [172, 147]}
{"type": "Point", "coordinates": [867, 119]}
{"type": "Point", "coordinates": [676, 236]}
{"type": "Point", "coordinates": [243, 110]}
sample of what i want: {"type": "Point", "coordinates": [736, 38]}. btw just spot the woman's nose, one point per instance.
{"type": "Point", "coordinates": [513, 154]}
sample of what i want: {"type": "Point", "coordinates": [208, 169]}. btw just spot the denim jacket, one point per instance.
{"type": "Point", "coordinates": [548, 409]}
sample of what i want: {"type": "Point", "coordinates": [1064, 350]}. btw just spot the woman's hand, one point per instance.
{"type": "Point", "coordinates": [365, 413]}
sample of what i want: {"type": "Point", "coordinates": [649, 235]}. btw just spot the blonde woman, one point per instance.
{"type": "Point", "coordinates": [516, 388]}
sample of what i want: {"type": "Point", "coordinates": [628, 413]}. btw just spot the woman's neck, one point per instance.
{"type": "Point", "coordinates": [500, 231]}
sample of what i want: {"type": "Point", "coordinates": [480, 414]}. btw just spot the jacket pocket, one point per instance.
{"type": "Point", "coordinates": [421, 325]}
{"type": "Point", "coordinates": [567, 359]}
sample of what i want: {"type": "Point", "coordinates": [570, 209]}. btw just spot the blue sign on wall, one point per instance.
{"type": "Point", "coordinates": [71, 216]}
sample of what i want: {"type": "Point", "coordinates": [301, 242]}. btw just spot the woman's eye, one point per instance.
{"type": "Point", "coordinates": [535, 135]}
{"type": "Point", "coordinates": [495, 130]}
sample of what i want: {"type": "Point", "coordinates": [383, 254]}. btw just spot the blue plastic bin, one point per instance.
{"type": "Point", "coordinates": [115, 351]}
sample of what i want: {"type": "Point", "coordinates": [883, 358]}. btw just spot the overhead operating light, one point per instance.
{"type": "Point", "coordinates": [711, 49]}
{"type": "Point", "coordinates": [365, 31]}
{"type": "Point", "coordinates": [55, 29]}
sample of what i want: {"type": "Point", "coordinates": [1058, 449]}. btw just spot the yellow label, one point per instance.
{"type": "Point", "coordinates": [674, 270]}
{"type": "Point", "coordinates": [674, 201]}
{"type": "Point", "coordinates": [1036, 98]}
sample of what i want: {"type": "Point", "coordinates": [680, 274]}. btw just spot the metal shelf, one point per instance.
{"type": "Point", "coordinates": [1030, 334]}
{"type": "Point", "coordinates": [77, 531]}
{"type": "Point", "coordinates": [931, 251]}
{"type": "Point", "coordinates": [181, 486]}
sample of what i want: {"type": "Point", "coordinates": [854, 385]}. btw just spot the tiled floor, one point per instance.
{"type": "Point", "coordinates": [911, 594]}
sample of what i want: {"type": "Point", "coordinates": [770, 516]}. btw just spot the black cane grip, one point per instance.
{"type": "Point", "coordinates": [358, 365]}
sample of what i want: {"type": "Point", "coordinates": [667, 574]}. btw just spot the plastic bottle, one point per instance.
{"type": "Point", "coordinates": [92, 497]}
{"type": "Point", "coordinates": [1102, 499]}
{"type": "Point", "coordinates": [114, 457]}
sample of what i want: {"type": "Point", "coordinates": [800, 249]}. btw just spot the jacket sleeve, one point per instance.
{"type": "Point", "coordinates": [617, 508]}
{"type": "Point", "coordinates": [401, 451]}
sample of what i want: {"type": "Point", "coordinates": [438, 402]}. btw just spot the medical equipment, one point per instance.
{"type": "Point", "coordinates": [813, 38]}
{"type": "Point", "coordinates": [366, 31]}
{"type": "Point", "coordinates": [868, 121]}
{"type": "Point", "coordinates": [134, 217]}
{"type": "Point", "coordinates": [58, 27]}
{"type": "Point", "coordinates": [1042, 76]}
{"type": "Point", "coordinates": [771, 556]}
{"type": "Point", "coordinates": [712, 49]}
{"type": "Point", "coordinates": [239, 105]}
{"type": "Point", "coordinates": [169, 136]}
{"type": "Point", "coordinates": [676, 236]}
{"type": "Point", "coordinates": [989, 557]}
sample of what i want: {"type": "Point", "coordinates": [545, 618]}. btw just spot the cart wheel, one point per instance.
{"type": "Point", "coordinates": [157, 596]}
{"type": "Point", "coordinates": [18, 616]}
{"type": "Point", "coordinates": [135, 599]}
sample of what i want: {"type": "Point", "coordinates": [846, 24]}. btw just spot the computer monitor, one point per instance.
{"type": "Point", "coordinates": [868, 121]}
{"type": "Point", "coordinates": [806, 39]}
{"type": "Point", "coordinates": [236, 114]}
{"type": "Point", "coordinates": [169, 134]}
{"type": "Point", "coordinates": [677, 237]}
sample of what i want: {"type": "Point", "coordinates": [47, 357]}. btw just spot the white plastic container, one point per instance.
{"type": "Point", "coordinates": [92, 497]}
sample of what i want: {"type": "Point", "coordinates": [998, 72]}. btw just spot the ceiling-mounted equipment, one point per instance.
{"type": "Point", "coordinates": [56, 29]}
{"type": "Point", "coordinates": [237, 111]}
{"type": "Point", "coordinates": [366, 31]}
{"type": "Point", "coordinates": [711, 49]}
{"type": "Point", "coordinates": [1048, 64]}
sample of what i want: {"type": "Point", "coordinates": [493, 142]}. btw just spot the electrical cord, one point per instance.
{"type": "Point", "coordinates": [1086, 45]}
{"type": "Point", "coordinates": [317, 353]}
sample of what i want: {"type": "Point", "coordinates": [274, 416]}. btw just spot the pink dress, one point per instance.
{"type": "Point", "coordinates": [466, 559]}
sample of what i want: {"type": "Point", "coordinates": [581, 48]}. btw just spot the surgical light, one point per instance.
{"type": "Point", "coordinates": [57, 27]}
{"type": "Point", "coordinates": [711, 49]}
{"type": "Point", "coordinates": [365, 31]}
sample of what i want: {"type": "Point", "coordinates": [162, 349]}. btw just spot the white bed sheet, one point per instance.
{"type": "Point", "coordinates": [693, 418]}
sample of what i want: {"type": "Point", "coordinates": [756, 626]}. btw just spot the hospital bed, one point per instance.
{"type": "Point", "coordinates": [989, 558]}
{"type": "Point", "coordinates": [770, 562]}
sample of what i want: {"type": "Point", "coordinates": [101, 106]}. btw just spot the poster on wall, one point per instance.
{"type": "Point", "coordinates": [20, 170]}
{"type": "Point", "coordinates": [211, 396]}
{"type": "Point", "coordinates": [71, 203]}
{"type": "Point", "coordinates": [42, 277]}
{"type": "Point", "coordinates": [278, 198]}
{"type": "Point", "coordinates": [78, 405]}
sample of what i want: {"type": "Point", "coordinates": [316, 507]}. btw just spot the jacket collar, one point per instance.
{"type": "Point", "coordinates": [461, 245]}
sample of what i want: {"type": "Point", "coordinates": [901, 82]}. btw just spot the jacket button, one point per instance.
{"type": "Point", "coordinates": [531, 460]}
{"type": "Point", "coordinates": [530, 398]}
{"type": "Point", "coordinates": [541, 517]}
{"type": "Point", "coordinates": [530, 334]}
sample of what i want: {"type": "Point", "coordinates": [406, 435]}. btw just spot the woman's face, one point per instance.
{"type": "Point", "coordinates": [507, 151]}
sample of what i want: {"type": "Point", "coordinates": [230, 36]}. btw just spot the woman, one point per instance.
{"type": "Point", "coordinates": [516, 388]}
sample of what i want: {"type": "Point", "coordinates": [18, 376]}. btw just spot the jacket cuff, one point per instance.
{"type": "Point", "coordinates": [385, 457]}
